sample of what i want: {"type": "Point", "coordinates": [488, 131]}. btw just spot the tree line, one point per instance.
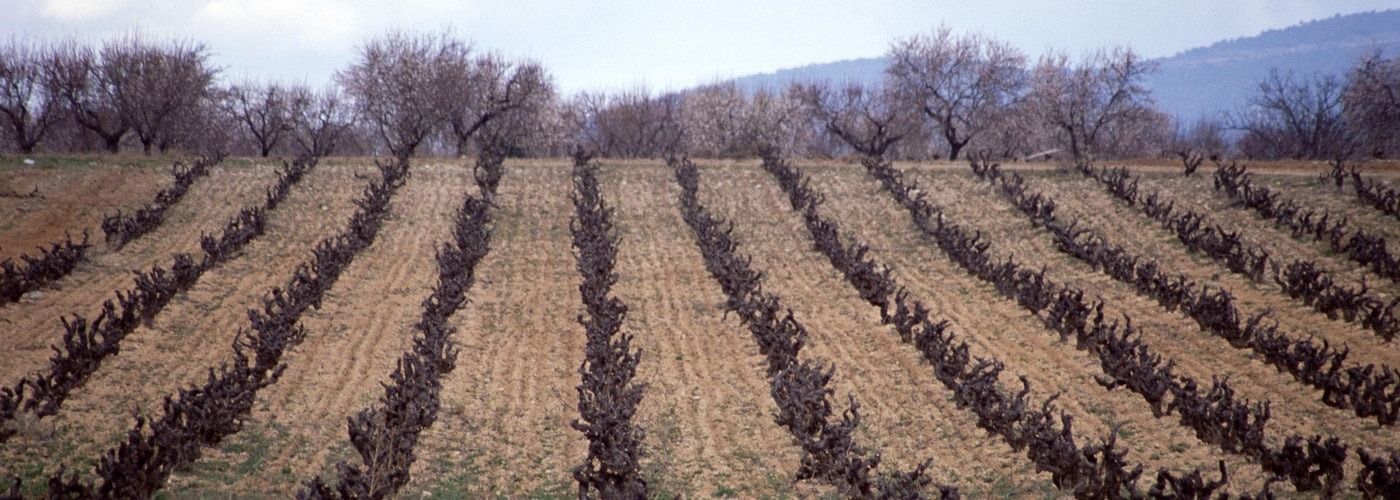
{"type": "Point", "coordinates": [943, 96]}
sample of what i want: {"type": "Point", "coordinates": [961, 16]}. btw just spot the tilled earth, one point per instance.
{"type": "Point", "coordinates": [504, 429]}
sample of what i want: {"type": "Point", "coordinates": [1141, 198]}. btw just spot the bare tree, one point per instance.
{"type": "Point", "coordinates": [1017, 132]}
{"type": "Point", "coordinates": [772, 123]}
{"type": "Point", "coordinates": [200, 128]}
{"type": "Point", "coordinates": [1205, 137]}
{"type": "Point", "coordinates": [490, 88]}
{"type": "Point", "coordinates": [714, 120]}
{"type": "Point", "coordinates": [262, 109]}
{"type": "Point", "coordinates": [581, 116]}
{"type": "Point", "coordinates": [131, 85]}
{"type": "Point", "coordinates": [1371, 103]}
{"type": "Point", "coordinates": [724, 121]}
{"type": "Point", "coordinates": [628, 124]}
{"type": "Point", "coordinates": [962, 84]}
{"type": "Point", "coordinates": [400, 85]}
{"type": "Point", "coordinates": [157, 83]}
{"type": "Point", "coordinates": [76, 73]}
{"type": "Point", "coordinates": [1101, 92]}
{"type": "Point", "coordinates": [318, 119]}
{"type": "Point", "coordinates": [1294, 118]}
{"type": "Point", "coordinates": [866, 120]}
{"type": "Point", "coordinates": [28, 102]}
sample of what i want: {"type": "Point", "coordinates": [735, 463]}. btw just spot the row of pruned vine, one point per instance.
{"type": "Point", "coordinates": [51, 264]}
{"type": "Point", "coordinates": [121, 229]}
{"type": "Point", "coordinates": [1369, 191]}
{"type": "Point", "coordinates": [86, 343]}
{"type": "Point", "coordinates": [1215, 415]}
{"type": "Point", "coordinates": [203, 415]}
{"type": "Point", "coordinates": [61, 258]}
{"type": "Point", "coordinates": [608, 398]}
{"type": "Point", "coordinates": [1301, 280]}
{"type": "Point", "coordinates": [1093, 471]}
{"type": "Point", "coordinates": [1357, 244]}
{"type": "Point", "coordinates": [386, 434]}
{"type": "Point", "coordinates": [1362, 389]}
{"type": "Point", "coordinates": [1369, 391]}
{"type": "Point", "coordinates": [799, 387]}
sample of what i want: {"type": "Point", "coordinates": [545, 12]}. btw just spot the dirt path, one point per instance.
{"type": "Point", "coordinates": [353, 343]}
{"type": "Point", "coordinates": [207, 206]}
{"type": "Point", "coordinates": [504, 425]}
{"type": "Point", "coordinates": [1296, 408]}
{"type": "Point", "coordinates": [1101, 212]}
{"type": "Point", "coordinates": [68, 200]}
{"type": "Point", "coordinates": [196, 330]}
{"type": "Point", "coordinates": [1197, 193]}
{"type": "Point", "coordinates": [997, 327]}
{"type": "Point", "coordinates": [707, 409]}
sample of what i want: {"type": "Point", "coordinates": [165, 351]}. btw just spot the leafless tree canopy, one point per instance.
{"type": "Point", "coordinates": [160, 82]}
{"type": "Point", "coordinates": [263, 110]}
{"type": "Point", "coordinates": [131, 85]}
{"type": "Point", "coordinates": [28, 104]}
{"type": "Point", "coordinates": [1371, 104]}
{"type": "Point", "coordinates": [964, 85]}
{"type": "Point", "coordinates": [319, 119]}
{"type": "Point", "coordinates": [90, 93]}
{"type": "Point", "coordinates": [1206, 137]}
{"type": "Point", "coordinates": [400, 86]}
{"type": "Point", "coordinates": [628, 124]}
{"type": "Point", "coordinates": [714, 115]}
{"type": "Point", "coordinates": [724, 121]}
{"type": "Point", "coordinates": [491, 88]}
{"type": "Point", "coordinates": [868, 121]}
{"type": "Point", "coordinates": [412, 87]}
{"type": "Point", "coordinates": [1082, 101]}
{"type": "Point", "coordinates": [412, 93]}
{"type": "Point", "coordinates": [1292, 117]}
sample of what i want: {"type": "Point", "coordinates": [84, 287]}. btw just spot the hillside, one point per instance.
{"type": "Point", "coordinates": [1230, 69]}
{"type": "Point", "coordinates": [508, 410]}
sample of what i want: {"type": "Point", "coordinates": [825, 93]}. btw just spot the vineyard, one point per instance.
{"type": "Point", "coordinates": [357, 328]}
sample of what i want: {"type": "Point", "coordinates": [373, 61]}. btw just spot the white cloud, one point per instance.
{"type": "Point", "coordinates": [80, 10]}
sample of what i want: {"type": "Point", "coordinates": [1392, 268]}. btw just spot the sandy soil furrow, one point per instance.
{"type": "Point", "coordinates": [504, 426]}
{"type": "Point", "coordinates": [1296, 409]}
{"type": "Point", "coordinates": [209, 204]}
{"type": "Point", "coordinates": [707, 410]}
{"type": "Point", "coordinates": [1099, 211]}
{"type": "Point", "coordinates": [69, 200]}
{"type": "Point", "coordinates": [908, 414]}
{"type": "Point", "coordinates": [1197, 193]}
{"type": "Point", "coordinates": [997, 327]}
{"type": "Point", "coordinates": [196, 330]}
{"type": "Point", "coordinates": [353, 343]}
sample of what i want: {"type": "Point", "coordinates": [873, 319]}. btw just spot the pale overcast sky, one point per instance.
{"type": "Point", "coordinates": [662, 44]}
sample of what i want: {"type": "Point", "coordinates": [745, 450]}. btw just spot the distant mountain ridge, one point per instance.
{"type": "Point", "coordinates": [1205, 81]}
{"type": "Point", "coordinates": [1196, 83]}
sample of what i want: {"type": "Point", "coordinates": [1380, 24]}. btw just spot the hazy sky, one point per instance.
{"type": "Point", "coordinates": [662, 44]}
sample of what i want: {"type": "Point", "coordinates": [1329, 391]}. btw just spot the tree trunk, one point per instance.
{"type": "Point", "coordinates": [113, 142]}
{"type": "Point", "coordinates": [22, 136]}
{"type": "Point", "coordinates": [955, 147]}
